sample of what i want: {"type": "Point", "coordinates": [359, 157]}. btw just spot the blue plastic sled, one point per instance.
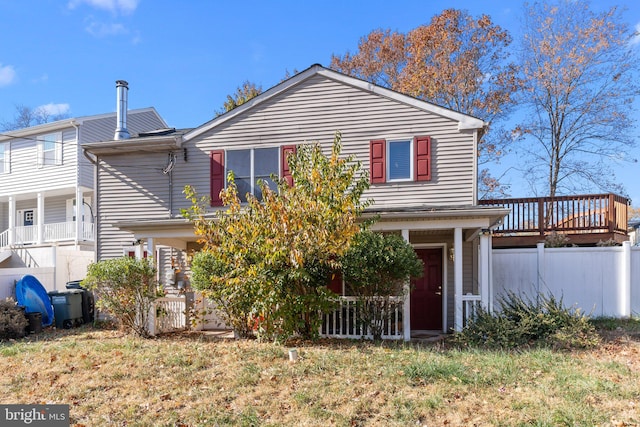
{"type": "Point", "coordinates": [34, 298]}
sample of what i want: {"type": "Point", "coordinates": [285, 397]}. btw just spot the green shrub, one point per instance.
{"type": "Point", "coordinates": [12, 320]}
{"type": "Point", "coordinates": [522, 322]}
{"type": "Point", "coordinates": [125, 289]}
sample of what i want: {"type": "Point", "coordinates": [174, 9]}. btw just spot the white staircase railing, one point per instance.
{"type": "Point", "coordinates": [4, 239]}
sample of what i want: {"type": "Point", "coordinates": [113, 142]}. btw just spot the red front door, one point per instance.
{"type": "Point", "coordinates": [426, 296]}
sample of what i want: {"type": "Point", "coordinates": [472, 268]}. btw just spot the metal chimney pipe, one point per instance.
{"type": "Point", "coordinates": [122, 88]}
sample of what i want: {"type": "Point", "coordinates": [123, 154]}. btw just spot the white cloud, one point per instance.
{"type": "Point", "coordinates": [7, 75]}
{"type": "Point", "coordinates": [100, 29]}
{"type": "Point", "coordinates": [636, 37]}
{"type": "Point", "coordinates": [54, 109]}
{"type": "Point", "coordinates": [125, 7]}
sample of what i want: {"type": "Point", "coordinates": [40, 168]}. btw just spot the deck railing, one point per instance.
{"type": "Point", "coordinates": [53, 232]}
{"type": "Point", "coordinates": [593, 213]}
{"type": "Point", "coordinates": [346, 320]}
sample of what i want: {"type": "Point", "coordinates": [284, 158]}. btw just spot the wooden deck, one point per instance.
{"type": "Point", "coordinates": [585, 220]}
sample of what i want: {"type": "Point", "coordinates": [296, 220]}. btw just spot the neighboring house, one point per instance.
{"type": "Point", "coordinates": [634, 231]}
{"type": "Point", "coordinates": [422, 160]}
{"type": "Point", "coordinates": [47, 196]}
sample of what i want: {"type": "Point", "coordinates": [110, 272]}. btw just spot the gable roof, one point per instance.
{"type": "Point", "coordinates": [66, 123]}
{"type": "Point", "coordinates": [465, 122]}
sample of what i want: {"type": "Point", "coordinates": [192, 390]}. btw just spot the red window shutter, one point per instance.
{"type": "Point", "coordinates": [377, 161]}
{"type": "Point", "coordinates": [422, 147]}
{"type": "Point", "coordinates": [131, 254]}
{"type": "Point", "coordinates": [217, 176]}
{"type": "Point", "coordinates": [285, 172]}
{"type": "Point", "coordinates": [335, 285]}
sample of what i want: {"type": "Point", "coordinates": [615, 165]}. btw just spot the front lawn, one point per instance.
{"type": "Point", "coordinates": [108, 378]}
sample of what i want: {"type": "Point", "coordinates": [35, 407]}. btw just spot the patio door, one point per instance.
{"type": "Point", "coordinates": [426, 296]}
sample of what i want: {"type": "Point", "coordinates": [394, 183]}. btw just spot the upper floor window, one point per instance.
{"type": "Point", "coordinates": [5, 155]}
{"type": "Point", "coordinates": [249, 167]}
{"type": "Point", "coordinates": [402, 160]}
{"type": "Point", "coordinates": [399, 164]}
{"type": "Point", "coordinates": [50, 149]}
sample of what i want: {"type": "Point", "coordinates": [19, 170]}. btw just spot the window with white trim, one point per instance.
{"type": "Point", "coordinates": [50, 149]}
{"type": "Point", "coordinates": [252, 165]}
{"type": "Point", "coordinates": [5, 156]}
{"type": "Point", "coordinates": [399, 161]}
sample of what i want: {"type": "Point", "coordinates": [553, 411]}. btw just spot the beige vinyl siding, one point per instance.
{"type": "Point", "coordinates": [4, 216]}
{"type": "Point", "coordinates": [55, 209]}
{"type": "Point", "coordinates": [27, 177]}
{"type": "Point", "coordinates": [131, 187]}
{"type": "Point", "coordinates": [103, 128]}
{"type": "Point", "coordinates": [316, 108]}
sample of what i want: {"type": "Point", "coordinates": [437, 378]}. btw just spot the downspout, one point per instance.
{"type": "Point", "coordinates": [78, 216]}
{"type": "Point", "coordinates": [96, 191]}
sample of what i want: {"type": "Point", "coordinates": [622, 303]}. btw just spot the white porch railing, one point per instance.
{"type": "Point", "coordinates": [26, 234]}
{"type": "Point", "coordinates": [169, 314]}
{"type": "Point", "coordinates": [470, 306]}
{"type": "Point", "coordinates": [346, 321]}
{"type": "Point", "coordinates": [4, 239]}
{"type": "Point", "coordinates": [54, 232]}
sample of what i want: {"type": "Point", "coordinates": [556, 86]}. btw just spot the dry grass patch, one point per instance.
{"type": "Point", "coordinates": [111, 379]}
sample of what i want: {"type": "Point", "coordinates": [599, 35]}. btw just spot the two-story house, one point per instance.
{"type": "Point", "coordinates": [423, 169]}
{"type": "Point", "coordinates": [47, 196]}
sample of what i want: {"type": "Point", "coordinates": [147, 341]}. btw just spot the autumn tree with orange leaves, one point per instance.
{"type": "Point", "coordinates": [455, 61]}
{"type": "Point", "coordinates": [579, 68]}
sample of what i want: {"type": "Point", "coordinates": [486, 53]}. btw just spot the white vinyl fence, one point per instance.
{"type": "Point", "coordinates": [601, 281]}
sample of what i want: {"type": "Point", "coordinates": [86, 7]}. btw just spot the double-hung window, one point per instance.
{"type": "Point", "coordinates": [5, 156]}
{"type": "Point", "coordinates": [50, 149]}
{"type": "Point", "coordinates": [399, 164]}
{"type": "Point", "coordinates": [252, 166]}
{"type": "Point", "coordinates": [249, 166]}
{"type": "Point", "coordinates": [400, 160]}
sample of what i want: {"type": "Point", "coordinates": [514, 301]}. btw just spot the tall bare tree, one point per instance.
{"type": "Point", "coordinates": [25, 117]}
{"type": "Point", "coordinates": [455, 61]}
{"type": "Point", "coordinates": [579, 68]}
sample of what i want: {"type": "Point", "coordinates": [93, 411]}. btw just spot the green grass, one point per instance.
{"type": "Point", "coordinates": [111, 379]}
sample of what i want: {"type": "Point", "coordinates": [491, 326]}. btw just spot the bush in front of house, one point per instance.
{"type": "Point", "coordinates": [376, 268]}
{"type": "Point", "coordinates": [125, 289]}
{"type": "Point", "coordinates": [523, 322]}
{"type": "Point", "coordinates": [12, 320]}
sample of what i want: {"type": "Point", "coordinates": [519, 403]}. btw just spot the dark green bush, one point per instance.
{"type": "Point", "coordinates": [12, 320]}
{"type": "Point", "coordinates": [522, 322]}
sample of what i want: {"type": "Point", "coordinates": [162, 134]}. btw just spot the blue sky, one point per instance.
{"type": "Point", "coordinates": [184, 58]}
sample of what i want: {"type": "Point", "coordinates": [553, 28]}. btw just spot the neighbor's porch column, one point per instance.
{"type": "Point", "coordinates": [40, 219]}
{"type": "Point", "coordinates": [12, 220]}
{"type": "Point", "coordinates": [457, 278]}
{"type": "Point", "coordinates": [485, 268]}
{"type": "Point", "coordinates": [406, 305]}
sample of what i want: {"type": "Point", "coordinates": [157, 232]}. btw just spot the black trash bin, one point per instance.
{"type": "Point", "coordinates": [67, 307]}
{"type": "Point", "coordinates": [35, 322]}
{"type": "Point", "coordinates": [88, 301]}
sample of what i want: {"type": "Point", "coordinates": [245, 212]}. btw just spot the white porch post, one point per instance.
{"type": "Point", "coordinates": [40, 219]}
{"type": "Point", "coordinates": [457, 278]}
{"type": "Point", "coordinates": [406, 305]}
{"type": "Point", "coordinates": [12, 220]}
{"type": "Point", "coordinates": [485, 266]}
{"type": "Point", "coordinates": [79, 215]}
